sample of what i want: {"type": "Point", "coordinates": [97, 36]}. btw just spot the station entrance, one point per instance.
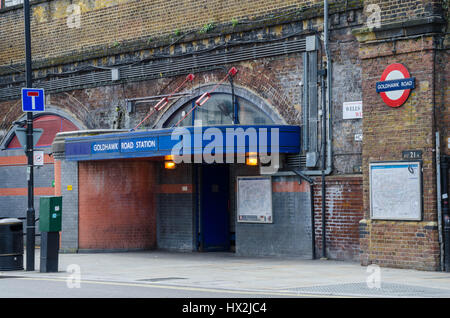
{"type": "Point", "coordinates": [153, 201]}
{"type": "Point", "coordinates": [214, 208]}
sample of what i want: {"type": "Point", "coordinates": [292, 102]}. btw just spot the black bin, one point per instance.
{"type": "Point", "coordinates": [11, 244]}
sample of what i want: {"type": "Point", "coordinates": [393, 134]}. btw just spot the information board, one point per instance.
{"type": "Point", "coordinates": [396, 190]}
{"type": "Point", "coordinates": [254, 200]}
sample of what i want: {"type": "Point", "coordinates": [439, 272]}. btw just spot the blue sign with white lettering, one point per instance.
{"type": "Point", "coordinates": [189, 140]}
{"type": "Point", "coordinates": [139, 144]}
{"type": "Point", "coordinates": [33, 100]}
{"type": "Point", "coordinates": [394, 85]}
{"type": "Point", "coordinates": [143, 144]}
{"type": "Point", "coordinates": [105, 147]}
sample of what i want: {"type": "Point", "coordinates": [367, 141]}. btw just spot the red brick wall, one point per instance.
{"type": "Point", "coordinates": [116, 205]}
{"type": "Point", "coordinates": [344, 210]}
{"type": "Point", "coordinates": [57, 168]}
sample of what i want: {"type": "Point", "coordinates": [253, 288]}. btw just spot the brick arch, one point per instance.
{"type": "Point", "coordinates": [239, 90]}
{"type": "Point", "coordinates": [261, 79]}
{"type": "Point", "coordinates": [50, 123]}
{"type": "Point", "coordinates": [76, 106]}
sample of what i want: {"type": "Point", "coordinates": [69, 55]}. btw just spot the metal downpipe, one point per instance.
{"type": "Point", "coordinates": [326, 122]}
{"type": "Point", "coordinates": [446, 212]}
{"type": "Point", "coordinates": [329, 143]}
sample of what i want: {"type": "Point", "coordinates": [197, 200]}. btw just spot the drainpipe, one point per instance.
{"type": "Point", "coordinates": [439, 199]}
{"type": "Point", "coordinates": [323, 145]}
{"type": "Point", "coordinates": [326, 121]}
{"type": "Point", "coordinates": [313, 226]}
{"type": "Point", "coordinates": [446, 212]}
{"type": "Point", "coordinates": [329, 152]}
{"type": "Point", "coordinates": [329, 80]}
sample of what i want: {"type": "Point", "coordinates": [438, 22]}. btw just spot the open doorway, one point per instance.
{"type": "Point", "coordinates": [214, 216]}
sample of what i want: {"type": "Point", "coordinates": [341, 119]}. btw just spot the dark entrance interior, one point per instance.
{"type": "Point", "coordinates": [214, 208]}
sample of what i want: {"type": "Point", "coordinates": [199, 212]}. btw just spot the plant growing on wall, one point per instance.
{"type": "Point", "coordinates": [115, 44]}
{"type": "Point", "coordinates": [207, 27]}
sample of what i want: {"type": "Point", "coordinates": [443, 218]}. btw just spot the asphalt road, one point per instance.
{"type": "Point", "coordinates": [26, 287]}
{"type": "Point", "coordinates": [114, 297]}
{"type": "Point", "coordinates": [122, 296]}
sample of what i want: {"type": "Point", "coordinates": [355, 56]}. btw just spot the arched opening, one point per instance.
{"type": "Point", "coordinates": [13, 162]}
{"type": "Point", "coordinates": [214, 224]}
{"type": "Point", "coordinates": [51, 124]}
{"type": "Point", "coordinates": [249, 109]}
{"type": "Point", "coordinates": [219, 110]}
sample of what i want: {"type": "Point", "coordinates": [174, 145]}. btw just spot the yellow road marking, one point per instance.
{"type": "Point", "coordinates": [199, 289]}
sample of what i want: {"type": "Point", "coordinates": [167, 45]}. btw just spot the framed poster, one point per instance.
{"type": "Point", "coordinates": [396, 190]}
{"type": "Point", "coordinates": [254, 199]}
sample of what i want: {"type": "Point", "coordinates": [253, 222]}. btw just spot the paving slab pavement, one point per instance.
{"type": "Point", "coordinates": [258, 275]}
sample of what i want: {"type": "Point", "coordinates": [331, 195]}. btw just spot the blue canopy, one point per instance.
{"type": "Point", "coordinates": [226, 139]}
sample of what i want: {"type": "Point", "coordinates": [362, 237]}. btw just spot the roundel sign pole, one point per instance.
{"type": "Point", "coordinates": [395, 85]}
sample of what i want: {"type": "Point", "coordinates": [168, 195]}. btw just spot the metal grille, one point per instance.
{"type": "Point", "coordinates": [169, 66]}
{"type": "Point", "coordinates": [386, 290]}
{"type": "Point", "coordinates": [295, 161]}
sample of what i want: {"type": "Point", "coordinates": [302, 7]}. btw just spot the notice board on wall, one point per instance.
{"type": "Point", "coordinates": [254, 199]}
{"type": "Point", "coordinates": [396, 190]}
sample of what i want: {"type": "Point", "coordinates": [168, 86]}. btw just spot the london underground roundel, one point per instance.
{"type": "Point", "coordinates": [395, 85]}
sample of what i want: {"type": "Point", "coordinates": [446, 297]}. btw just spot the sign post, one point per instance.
{"type": "Point", "coordinates": [31, 222]}
{"type": "Point", "coordinates": [32, 100]}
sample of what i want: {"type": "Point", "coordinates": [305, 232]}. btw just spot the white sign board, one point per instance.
{"type": "Point", "coordinates": [352, 110]}
{"type": "Point", "coordinates": [254, 201]}
{"type": "Point", "coordinates": [396, 190]}
{"type": "Point", "coordinates": [38, 158]}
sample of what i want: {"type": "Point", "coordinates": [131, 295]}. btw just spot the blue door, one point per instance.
{"type": "Point", "coordinates": [214, 225]}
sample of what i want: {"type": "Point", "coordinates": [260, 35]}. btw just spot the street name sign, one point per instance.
{"type": "Point", "coordinates": [352, 110]}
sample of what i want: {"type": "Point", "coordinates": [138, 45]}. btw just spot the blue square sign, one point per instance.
{"type": "Point", "coordinates": [33, 100]}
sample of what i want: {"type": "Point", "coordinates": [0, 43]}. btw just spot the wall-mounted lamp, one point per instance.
{"type": "Point", "coordinates": [251, 159]}
{"type": "Point", "coordinates": [169, 163]}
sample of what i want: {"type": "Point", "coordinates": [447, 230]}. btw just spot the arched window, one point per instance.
{"type": "Point", "coordinates": [219, 110]}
